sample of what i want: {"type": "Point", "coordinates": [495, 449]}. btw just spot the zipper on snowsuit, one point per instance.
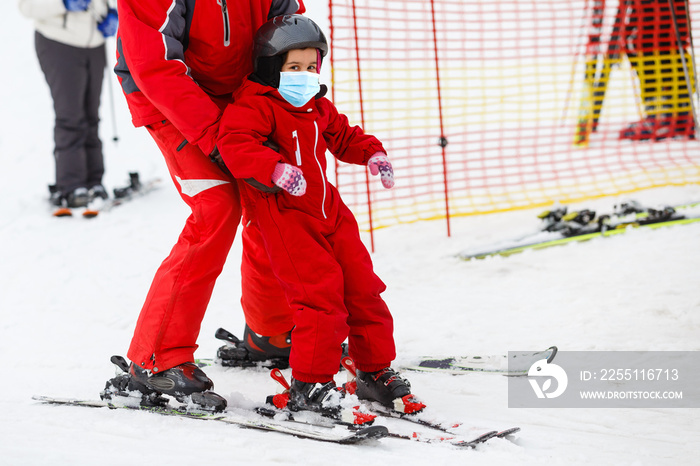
{"type": "Point", "coordinates": [227, 23]}
{"type": "Point", "coordinates": [295, 136]}
{"type": "Point", "coordinates": [323, 175]}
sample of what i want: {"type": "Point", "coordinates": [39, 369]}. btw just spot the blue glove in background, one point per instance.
{"type": "Point", "coordinates": [76, 5]}
{"type": "Point", "coordinates": [110, 23]}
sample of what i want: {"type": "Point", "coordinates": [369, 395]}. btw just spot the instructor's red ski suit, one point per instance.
{"type": "Point", "coordinates": [178, 62]}
{"type": "Point", "coordinates": [312, 242]}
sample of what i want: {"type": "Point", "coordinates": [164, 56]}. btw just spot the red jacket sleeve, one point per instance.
{"type": "Point", "coordinates": [347, 143]}
{"type": "Point", "coordinates": [152, 35]}
{"type": "Point", "coordinates": [245, 126]}
{"type": "Point", "coordinates": [152, 39]}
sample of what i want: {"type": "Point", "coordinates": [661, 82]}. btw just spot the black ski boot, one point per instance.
{"type": "Point", "coordinates": [179, 381]}
{"type": "Point", "coordinates": [322, 398]}
{"type": "Point", "coordinates": [79, 197]}
{"type": "Point", "coordinates": [254, 350]}
{"type": "Point", "coordinates": [183, 382]}
{"type": "Point", "coordinates": [388, 388]}
{"type": "Point", "coordinates": [579, 223]}
{"type": "Point", "coordinates": [552, 218]}
{"type": "Point", "coordinates": [55, 196]}
{"type": "Point", "coordinates": [97, 192]}
{"type": "Point", "coordinates": [128, 191]}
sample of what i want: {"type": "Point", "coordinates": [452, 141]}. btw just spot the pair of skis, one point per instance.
{"type": "Point", "coordinates": [316, 427]}
{"type": "Point", "coordinates": [561, 227]}
{"type": "Point", "coordinates": [302, 425]}
{"type": "Point", "coordinates": [135, 188]}
{"type": "Point", "coordinates": [323, 432]}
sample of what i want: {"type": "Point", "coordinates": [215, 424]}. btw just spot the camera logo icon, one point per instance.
{"type": "Point", "coordinates": [543, 371]}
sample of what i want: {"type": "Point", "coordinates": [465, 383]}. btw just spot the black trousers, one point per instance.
{"type": "Point", "coordinates": [75, 77]}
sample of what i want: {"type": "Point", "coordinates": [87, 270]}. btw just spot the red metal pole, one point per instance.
{"type": "Point", "coordinates": [332, 33]}
{"type": "Point", "coordinates": [362, 117]}
{"type": "Point", "coordinates": [443, 140]}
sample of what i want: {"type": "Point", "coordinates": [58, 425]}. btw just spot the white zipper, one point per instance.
{"type": "Point", "coordinates": [295, 136]}
{"type": "Point", "coordinates": [323, 175]}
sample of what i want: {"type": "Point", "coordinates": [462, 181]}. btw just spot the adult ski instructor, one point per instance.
{"type": "Point", "coordinates": [179, 62]}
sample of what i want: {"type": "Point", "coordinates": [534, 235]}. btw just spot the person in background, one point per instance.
{"type": "Point", "coordinates": [651, 42]}
{"type": "Point", "coordinates": [70, 45]}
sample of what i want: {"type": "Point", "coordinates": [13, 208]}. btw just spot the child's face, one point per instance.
{"type": "Point", "coordinates": [301, 60]}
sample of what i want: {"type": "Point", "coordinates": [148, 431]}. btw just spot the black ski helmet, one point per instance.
{"type": "Point", "coordinates": [278, 36]}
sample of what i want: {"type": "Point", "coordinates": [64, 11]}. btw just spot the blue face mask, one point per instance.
{"type": "Point", "coordinates": [298, 87]}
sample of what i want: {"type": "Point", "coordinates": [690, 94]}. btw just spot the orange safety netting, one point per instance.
{"type": "Point", "coordinates": [488, 106]}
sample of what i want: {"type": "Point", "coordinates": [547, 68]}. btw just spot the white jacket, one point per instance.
{"type": "Point", "coordinates": [76, 28]}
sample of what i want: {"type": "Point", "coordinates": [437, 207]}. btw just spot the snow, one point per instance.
{"type": "Point", "coordinates": [72, 290]}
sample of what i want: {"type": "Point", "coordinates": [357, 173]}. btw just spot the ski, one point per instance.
{"type": "Point", "coordinates": [331, 432]}
{"type": "Point", "coordinates": [515, 364]}
{"type": "Point", "coordinates": [473, 443]}
{"type": "Point", "coordinates": [85, 212]}
{"type": "Point", "coordinates": [560, 228]}
{"type": "Point", "coordinates": [445, 430]}
{"type": "Point", "coordinates": [438, 432]}
{"type": "Point", "coordinates": [494, 363]}
{"type": "Point", "coordinates": [409, 409]}
{"type": "Point", "coordinates": [136, 188]}
{"type": "Point", "coordinates": [444, 437]}
{"type": "Point", "coordinates": [63, 212]}
{"type": "Point", "coordinates": [414, 418]}
{"type": "Point", "coordinates": [450, 364]}
{"type": "Point", "coordinates": [557, 239]}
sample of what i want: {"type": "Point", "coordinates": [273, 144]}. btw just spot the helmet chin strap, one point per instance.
{"type": "Point", "coordinates": [267, 71]}
{"type": "Point", "coordinates": [318, 61]}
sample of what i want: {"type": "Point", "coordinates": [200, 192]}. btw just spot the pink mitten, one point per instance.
{"type": "Point", "coordinates": [289, 178]}
{"type": "Point", "coordinates": [379, 165]}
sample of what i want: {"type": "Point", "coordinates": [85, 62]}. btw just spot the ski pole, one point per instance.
{"type": "Point", "coordinates": [692, 49]}
{"type": "Point", "coordinates": [115, 137]}
{"type": "Point", "coordinates": [681, 51]}
{"type": "Point", "coordinates": [98, 19]}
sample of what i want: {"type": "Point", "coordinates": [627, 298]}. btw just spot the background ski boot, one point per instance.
{"type": "Point", "coordinates": [254, 350]}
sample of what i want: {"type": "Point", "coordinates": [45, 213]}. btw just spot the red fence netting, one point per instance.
{"type": "Point", "coordinates": [488, 106]}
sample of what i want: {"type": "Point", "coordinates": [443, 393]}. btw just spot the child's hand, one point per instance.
{"type": "Point", "coordinates": [379, 165]}
{"type": "Point", "coordinates": [289, 178]}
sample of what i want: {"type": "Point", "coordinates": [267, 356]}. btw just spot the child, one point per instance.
{"type": "Point", "coordinates": [310, 237]}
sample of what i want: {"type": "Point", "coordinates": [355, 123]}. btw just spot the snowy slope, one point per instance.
{"type": "Point", "coordinates": [72, 290]}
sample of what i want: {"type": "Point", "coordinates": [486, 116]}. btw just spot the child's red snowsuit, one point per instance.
{"type": "Point", "coordinates": [312, 241]}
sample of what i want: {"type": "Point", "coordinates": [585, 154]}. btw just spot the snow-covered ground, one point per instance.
{"type": "Point", "coordinates": [72, 290]}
